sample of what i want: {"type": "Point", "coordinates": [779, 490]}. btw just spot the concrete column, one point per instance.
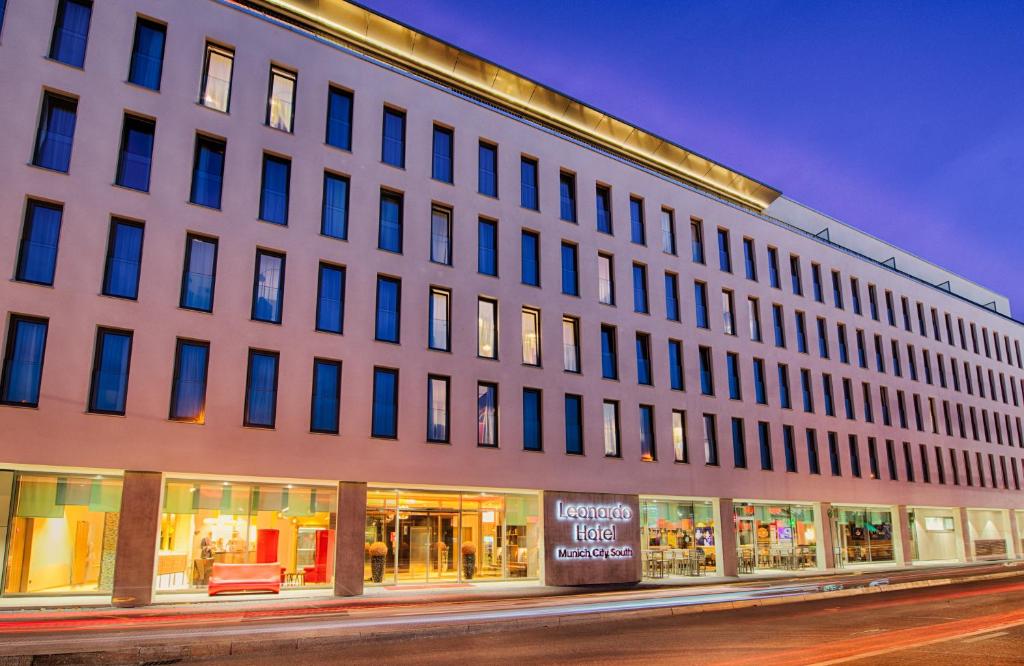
{"type": "Point", "coordinates": [1015, 536]}
{"type": "Point", "coordinates": [965, 534]}
{"type": "Point", "coordinates": [823, 526]}
{"type": "Point", "coordinates": [905, 552]}
{"type": "Point", "coordinates": [348, 557]}
{"type": "Point", "coordinates": [138, 526]}
{"type": "Point", "coordinates": [725, 521]}
{"type": "Point", "coordinates": [6, 504]}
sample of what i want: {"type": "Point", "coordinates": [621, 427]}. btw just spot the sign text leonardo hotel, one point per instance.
{"type": "Point", "coordinates": [594, 531]}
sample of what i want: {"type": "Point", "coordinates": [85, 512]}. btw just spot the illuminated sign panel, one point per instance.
{"type": "Point", "coordinates": [591, 538]}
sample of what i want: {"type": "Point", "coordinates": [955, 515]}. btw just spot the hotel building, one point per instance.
{"type": "Point", "coordinates": [292, 284]}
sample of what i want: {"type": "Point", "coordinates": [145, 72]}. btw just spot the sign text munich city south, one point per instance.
{"type": "Point", "coordinates": [594, 530]}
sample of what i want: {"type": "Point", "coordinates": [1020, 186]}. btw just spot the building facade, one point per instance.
{"type": "Point", "coordinates": [294, 285]}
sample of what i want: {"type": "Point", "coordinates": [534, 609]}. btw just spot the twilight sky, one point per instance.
{"type": "Point", "coordinates": [904, 119]}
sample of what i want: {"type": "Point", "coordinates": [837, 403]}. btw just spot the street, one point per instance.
{"type": "Point", "coordinates": [973, 623]}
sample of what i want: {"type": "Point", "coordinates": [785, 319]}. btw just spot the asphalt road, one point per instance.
{"type": "Point", "coordinates": [975, 623]}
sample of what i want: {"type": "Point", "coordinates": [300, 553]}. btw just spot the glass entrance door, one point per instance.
{"type": "Point", "coordinates": [426, 546]}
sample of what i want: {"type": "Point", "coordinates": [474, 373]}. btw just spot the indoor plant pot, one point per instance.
{"type": "Point", "coordinates": [378, 551]}
{"type": "Point", "coordinates": [468, 560]}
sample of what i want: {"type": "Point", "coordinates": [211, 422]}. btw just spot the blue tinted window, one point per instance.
{"type": "Point", "coordinates": [700, 302]}
{"type": "Point", "coordinates": [813, 466]}
{"type": "Point", "coordinates": [37, 256]}
{"type": "Point", "coordinates": [643, 359]}
{"type": "Point", "coordinates": [268, 287]}
{"type": "Point", "coordinates": [570, 271]}
{"type": "Point", "coordinates": [638, 230]}
{"type": "Point", "coordinates": [393, 142]}
{"type": "Point", "coordinates": [136, 157]}
{"type": "Point", "coordinates": [780, 331]}
{"type": "Point", "coordinates": [261, 393]}
{"type": "Point", "coordinates": [789, 448]}
{"type": "Point", "coordinates": [334, 216]}
{"type": "Point", "coordinates": [675, 364]}
{"type": "Point", "coordinates": [441, 166]}
{"type": "Point", "coordinates": [385, 403]}
{"type": "Point", "coordinates": [604, 209]}
{"type": "Point", "coordinates": [487, 247]}
{"type": "Point", "coordinates": [733, 370]}
{"type": "Point", "coordinates": [199, 274]}
{"type": "Point", "coordinates": [785, 400]}
{"type": "Point", "coordinates": [207, 172]}
{"type": "Point", "coordinates": [739, 445]}
{"type": "Point", "coordinates": [532, 438]}
{"type": "Point", "coordinates": [188, 391]}
{"type": "Point", "coordinates": [760, 394]}
{"type": "Point", "coordinates": [487, 175]}
{"type": "Point", "coordinates": [724, 253]}
{"type": "Point", "coordinates": [23, 361]}
{"type": "Point", "coordinates": [567, 196]}
{"type": "Point", "coordinates": [640, 289]}
{"type": "Point", "coordinates": [833, 454]}
{"type": "Point", "coordinates": [330, 302]}
{"type": "Point", "coordinates": [671, 297]}
{"type": "Point", "coordinates": [56, 133]}
{"type": "Point", "coordinates": [609, 363]}
{"type": "Point", "coordinates": [528, 183]}
{"type": "Point", "coordinates": [326, 396]}
{"type": "Point", "coordinates": [71, 31]}
{"type": "Point", "coordinates": [388, 321]}
{"type": "Point", "coordinates": [531, 258]}
{"type": "Point", "coordinates": [124, 259]}
{"type": "Point", "coordinates": [647, 443]}
{"type": "Point", "coordinates": [3, 9]}
{"type": "Point", "coordinates": [707, 377]}
{"type": "Point", "coordinates": [147, 54]}
{"type": "Point", "coordinates": [339, 118]}
{"type": "Point", "coordinates": [110, 372]}
{"type": "Point", "coordinates": [274, 191]}
{"type": "Point", "coordinates": [389, 231]}
{"type": "Point", "coordinates": [573, 424]}
{"type": "Point", "coordinates": [773, 267]}
{"type": "Point", "coordinates": [764, 437]}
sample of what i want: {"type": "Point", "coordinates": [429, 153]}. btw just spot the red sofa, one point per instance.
{"type": "Point", "coordinates": [323, 557]}
{"type": "Point", "coordinates": [264, 577]}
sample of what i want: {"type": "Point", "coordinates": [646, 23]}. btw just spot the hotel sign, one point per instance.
{"type": "Point", "coordinates": [591, 538]}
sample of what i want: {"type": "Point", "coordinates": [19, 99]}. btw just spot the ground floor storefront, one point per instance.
{"type": "Point", "coordinates": [149, 537]}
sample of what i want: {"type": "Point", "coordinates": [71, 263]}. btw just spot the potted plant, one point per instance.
{"type": "Point", "coordinates": [468, 559]}
{"type": "Point", "coordinates": [378, 551]}
{"type": "Point", "coordinates": [441, 556]}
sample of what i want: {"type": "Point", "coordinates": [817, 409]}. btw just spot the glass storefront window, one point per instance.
{"type": "Point", "coordinates": [424, 536]}
{"type": "Point", "coordinates": [208, 522]}
{"type": "Point", "coordinates": [863, 535]}
{"type": "Point", "coordinates": [775, 536]}
{"type": "Point", "coordinates": [934, 535]}
{"type": "Point", "coordinates": [677, 538]}
{"type": "Point", "coordinates": [63, 535]}
{"type": "Point", "coordinates": [990, 534]}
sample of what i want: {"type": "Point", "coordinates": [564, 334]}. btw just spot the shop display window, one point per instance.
{"type": "Point", "coordinates": [677, 538]}
{"type": "Point", "coordinates": [775, 536]}
{"type": "Point", "coordinates": [934, 535]}
{"type": "Point", "coordinates": [864, 535]}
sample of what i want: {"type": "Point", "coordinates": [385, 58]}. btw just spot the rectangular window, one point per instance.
{"type": "Point", "coordinates": [805, 389]}
{"type": "Point", "coordinates": [392, 149]}
{"type": "Point", "coordinates": [261, 389]}
{"type": "Point", "coordinates": [739, 444]}
{"type": "Point", "coordinates": [785, 398]}
{"type": "Point", "coordinates": [679, 443]}
{"type": "Point", "coordinates": [109, 391]}
{"type": "Point", "coordinates": [854, 456]}
{"type": "Point", "coordinates": [833, 454]}
{"type": "Point", "coordinates": [732, 365]}
{"type": "Point", "coordinates": [217, 73]}
{"type": "Point", "coordinates": [754, 317]}
{"type": "Point", "coordinates": [567, 196]}
{"type": "Point", "coordinates": [442, 166]}
{"type": "Point", "coordinates": [873, 307]}
{"type": "Point", "coordinates": [890, 460]}
{"type": "Point", "coordinates": [124, 259]}
{"type": "Point", "coordinates": [813, 463]}
{"type": "Point", "coordinates": [573, 424]}
{"type": "Point", "coordinates": [281, 99]}
{"type": "Point", "coordinates": [605, 279]}
{"type": "Point", "coordinates": [801, 333]}
{"type": "Point", "coordinates": [697, 241]}
{"type": "Point", "coordinates": [385, 403]}
{"type": "Point", "coordinates": [760, 386]}
{"type": "Point", "coordinates": [440, 335]}
{"type": "Point", "coordinates": [643, 359]}
{"type": "Point", "coordinates": [188, 388]}
{"type": "Point", "coordinates": [789, 447]}
{"type": "Point", "coordinates": [844, 350]}
{"type": "Point", "coordinates": [531, 336]}
{"type": "Point", "coordinates": [816, 283]}
{"type": "Point", "coordinates": [487, 328]}
{"type": "Point", "coordinates": [487, 169]}
{"type": "Point", "coordinates": [438, 408]}
{"type": "Point", "coordinates": [707, 377]}
{"type": "Point", "coordinates": [56, 132]}
{"type": "Point", "coordinates": [603, 201]}
{"type": "Point", "coordinates": [648, 445]}
{"type": "Point", "coordinates": [390, 230]}
{"type": "Point", "coordinates": [795, 276]}
{"type": "Point", "coordinates": [268, 287]}
{"type": "Point", "coordinates": [610, 415]}
{"type": "Point", "coordinates": [208, 172]}
{"type": "Point", "coordinates": [710, 440]}
{"type": "Point", "coordinates": [908, 462]}
{"type": "Point", "coordinates": [773, 268]}
{"type": "Point", "coordinates": [530, 258]}
{"type": "Point", "coordinates": [671, 296]}
{"type": "Point", "coordinates": [700, 304]}
{"type": "Point", "coordinates": [37, 253]}
{"type": "Point", "coordinates": [764, 439]}
{"type": "Point", "coordinates": [570, 270]}
{"type": "Point", "coordinates": [334, 213]}
{"type": "Point", "coordinates": [23, 361]}
{"type": "Point", "coordinates": [71, 32]}
{"type": "Point", "coordinates": [388, 320]}
{"type": "Point", "coordinates": [487, 247]}
{"type": "Point", "coordinates": [668, 232]}
{"type": "Point", "coordinates": [749, 259]}
{"type": "Point", "coordinates": [136, 154]}
{"type": "Point", "coordinates": [640, 289]}
{"type": "Point", "coordinates": [926, 472]}
{"type": "Point", "coordinates": [837, 290]}
{"type": "Point", "coordinates": [675, 365]}
{"type": "Point", "coordinates": [724, 253]}
{"type": "Point", "coordinates": [147, 54]}
{"type": "Point", "coordinates": [528, 196]}
{"type": "Point", "coordinates": [822, 338]}
{"type": "Point", "coordinates": [637, 225]}
{"type": "Point", "coordinates": [486, 414]}
{"type": "Point", "coordinates": [330, 298]}
{"type": "Point", "coordinates": [779, 326]}
{"type": "Point", "coordinates": [532, 431]}
{"type": "Point", "coordinates": [325, 402]}
{"type": "Point", "coordinates": [855, 295]}
{"type": "Point", "coordinates": [830, 406]}
{"type": "Point", "coordinates": [728, 313]}
{"type": "Point", "coordinates": [609, 360]}
{"type": "Point", "coordinates": [277, 172]}
{"type": "Point", "coordinates": [441, 235]}
{"type": "Point", "coordinates": [199, 274]}
{"type": "Point", "coordinates": [570, 344]}
{"type": "Point", "coordinates": [339, 118]}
